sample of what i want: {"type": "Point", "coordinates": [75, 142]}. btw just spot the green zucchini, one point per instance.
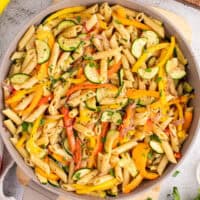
{"type": "Point", "coordinates": [19, 78]}
{"type": "Point", "coordinates": [138, 47]}
{"type": "Point", "coordinates": [43, 51]}
{"type": "Point", "coordinates": [54, 183]}
{"type": "Point", "coordinates": [91, 104]}
{"type": "Point", "coordinates": [41, 178]}
{"type": "Point", "coordinates": [187, 87]}
{"type": "Point", "coordinates": [104, 92]}
{"type": "Point", "coordinates": [91, 73]}
{"type": "Point", "coordinates": [80, 173]}
{"type": "Point", "coordinates": [111, 116]}
{"type": "Point", "coordinates": [67, 44]}
{"type": "Point", "coordinates": [121, 76]}
{"type": "Point", "coordinates": [152, 38]}
{"type": "Point", "coordinates": [63, 25]}
{"type": "Point", "coordinates": [174, 70]}
{"type": "Point", "coordinates": [112, 135]}
{"type": "Point", "coordinates": [156, 146]}
{"type": "Point", "coordinates": [66, 147]}
{"type": "Point", "coordinates": [148, 73]}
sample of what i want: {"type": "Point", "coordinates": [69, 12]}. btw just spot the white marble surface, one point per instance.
{"type": "Point", "coordinates": [20, 11]}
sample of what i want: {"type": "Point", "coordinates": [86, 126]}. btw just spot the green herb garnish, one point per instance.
{"type": "Point", "coordinates": [175, 174]}
{"type": "Point", "coordinates": [155, 137]}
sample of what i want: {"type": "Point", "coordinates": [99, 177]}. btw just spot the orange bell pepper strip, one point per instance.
{"type": "Point", "coordinates": [45, 100]}
{"type": "Point", "coordinates": [177, 155]}
{"type": "Point", "coordinates": [127, 121]}
{"type": "Point", "coordinates": [114, 68]}
{"type": "Point", "coordinates": [148, 127]}
{"type": "Point", "coordinates": [59, 158]}
{"type": "Point", "coordinates": [51, 176]}
{"type": "Point", "coordinates": [140, 154]}
{"type": "Point", "coordinates": [36, 98]}
{"type": "Point", "coordinates": [80, 72]}
{"type": "Point", "coordinates": [77, 154]}
{"type": "Point", "coordinates": [88, 86]}
{"type": "Point", "coordinates": [145, 55]}
{"type": "Point", "coordinates": [188, 115]}
{"type": "Point", "coordinates": [133, 184]}
{"type": "Point", "coordinates": [136, 94]}
{"type": "Point", "coordinates": [99, 144]}
{"type": "Point", "coordinates": [69, 130]}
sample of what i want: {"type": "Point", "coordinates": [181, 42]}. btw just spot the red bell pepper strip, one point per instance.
{"type": "Point", "coordinates": [99, 145]}
{"type": "Point", "coordinates": [77, 154]}
{"type": "Point", "coordinates": [69, 129]}
{"type": "Point", "coordinates": [127, 121]}
{"type": "Point", "coordinates": [45, 100]}
{"type": "Point", "coordinates": [177, 155]}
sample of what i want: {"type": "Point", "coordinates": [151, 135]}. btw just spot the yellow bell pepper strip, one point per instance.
{"type": "Point", "coordinates": [59, 158]}
{"type": "Point", "coordinates": [181, 117]}
{"type": "Point", "coordinates": [188, 115]}
{"type": "Point", "coordinates": [84, 189]}
{"type": "Point", "coordinates": [43, 71]}
{"type": "Point", "coordinates": [51, 176]}
{"type": "Point", "coordinates": [64, 12]}
{"type": "Point", "coordinates": [163, 82]}
{"type": "Point", "coordinates": [18, 95]}
{"type": "Point", "coordinates": [77, 80]}
{"type": "Point", "coordinates": [133, 184]}
{"type": "Point", "coordinates": [145, 55]}
{"type": "Point", "coordinates": [36, 98]}
{"type": "Point", "coordinates": [130, 22]}
{"type": "Point", "coordinates": [31, 146]}
{"type": "Point", "coordinates": [3, 5]}
{"type": "Point", "coordinates": [136, 94]}
{"type": "Point", "coordinates": [47, 36]}
{"type": "Point", "coordinates": [69, 130]}
{"type": "Point", "coordinates": [140, 155]}
{"type": "Point", "coordinates": [102, 25]}
{"type": "Point", "coordinates": [22, 140]}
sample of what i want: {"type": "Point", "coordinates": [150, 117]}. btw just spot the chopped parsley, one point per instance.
{"type": "Point", "coordinates": [103, 139]}
{"type": "Point", "coordinates": [78, 176]}
{"type": "Point", "coordinates": [176, 173]}
{"type": "Point", "coordinates": [149, 198]}
{"type": "Point", "coordinates": [148, 70]}
{"type": "Point", "coordinates": [117, 21]}
{"type": "Point", "coordinates": [42, 122]}
{"type": "Point", "coordinates": [155, 138]}
{"type": "Point", "coordinates": [175, 194]}
{"type": "Point", "coordinates": [112, 172]}
{"type": "Point", "coordinates": [78, 18]}
{"type": "Point", "coordinates": [150, 155]}
{"type": "Point", "coordinates": [86, 57]}
{"type": "Point", "coordinates": [158, 79]}
{"type": "Point", "coordinates": [25, 126]}
{"type": "Point", "coordinates": [119, 121]}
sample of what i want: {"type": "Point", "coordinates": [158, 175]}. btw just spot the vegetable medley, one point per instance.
{"type": "Point", "coordinates": [96, 99]}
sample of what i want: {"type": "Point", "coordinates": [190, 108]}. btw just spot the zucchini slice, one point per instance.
{"type": "Point", "coordinates": [19, 78]}
{"type": "Point", "coordinates": [63, 25]}
{"type": "Point", "coordinates": [104, 92]}
{"type": "Point", "coordinates": [148, 73]}
{"type": "Point", "coordinates": [187, 87]}
{"type": "Point", "coordinates": [54, 183]}
{"type": "Point", "coordinates": [80, 173]}
{"type": "Point", "coordinates": [66, 147]}
{"type": "Point", "coordinates": [43, 51]}
{"type": "Point", "coordinates": [152, 38]}
{"type": "Point", "coordinates": [156, 146]}
{"type": "Point", "coordinates": [121, 76]}
{"type": "Point", "coordinates": [67, 44]}
{"type": "Point", "coordinates": [138, 47]}
{"type": "Point", "coordinates": [41, 178]}
{"type": "Point", "coordinates": [91, 104]}
{"type": "Point", "coordinates": [174, 70]}
{"type": "Point", "coordinates": [91, 73]}
{"type": "Point", "coordinates": [111, 116]}
{"type": "Point", "coordinates": [112, 135]}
